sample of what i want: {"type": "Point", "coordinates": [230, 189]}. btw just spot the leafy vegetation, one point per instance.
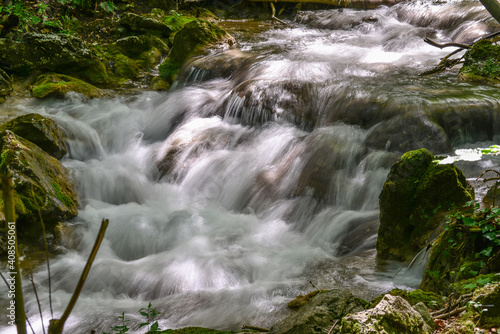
{"type": "Point", "coordinates": [149, 313]}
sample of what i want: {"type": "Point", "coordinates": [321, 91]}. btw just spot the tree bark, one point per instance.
{"type": "Point", "coordinates": [493, 7]}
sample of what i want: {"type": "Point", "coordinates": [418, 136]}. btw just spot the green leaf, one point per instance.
{"type": "Point", "coordinates": [144, 324]}
{"type": "Point", "coordinates": [468, 221]}
{"type": "Point", "coordinates": [483, 281]}
{"type": "Point", "coordinates": [154, 327]}
{"type": "Point", "coordinates": [470, 286]}
{"type": "Point", "coordinates": [144, 313]}
{"type": "Point", "coordinates": [487, 252]}
{"type": "Point", "coordinates": [473, 272]}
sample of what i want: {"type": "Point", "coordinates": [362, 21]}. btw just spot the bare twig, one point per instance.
{"type": "Point", "coordinates": [334, 324]}
{"type": "Point", "coordinates": [449, 314]}
{"type": "Point", "coordinates": [56, 325]}
{"type": "Point", "coordinates": [36, 296]}
{"type": "Point", "coordinates": [486, 171]}
{"type": "Point", "coordinates": [447, 45]}
{"type": "Point", "coordinates": [274, 15]}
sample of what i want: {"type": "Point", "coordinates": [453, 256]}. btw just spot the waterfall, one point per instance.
{"type": "Point", "coordinates": [260, 171]}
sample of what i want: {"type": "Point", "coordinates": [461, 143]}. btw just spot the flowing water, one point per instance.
{"type": "Point", "coordinates": [260, 172]}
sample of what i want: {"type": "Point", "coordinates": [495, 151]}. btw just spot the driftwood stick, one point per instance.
{"type": "Point", "coordinates": [486, 171]}
{"type": "Point", "coordinates": [56, 325]}
{"type": "Point", "coordinates": [449, 314]}
{"type": "Point", "coordinates": [447, 45]}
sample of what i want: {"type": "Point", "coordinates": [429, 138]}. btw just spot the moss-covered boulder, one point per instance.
{"type": "Point", "coordinates": [143, 24]}
{"type": "Point", "coordinates": [194, 330]}
{"type": "Point", "coordinates": [430, 299]}
{"type": "Point", "coordinates": [51, 52]}
{"type": "Point", "coordinates": [39, 130]}
{"type": "Point", "coordinates": [393, 315]}
{"type": "Point", "coordinates": [41, 184]}
{"type": "Point", "coordinates": [482, 63]}
{"type": "Point", "coordinates": [58, 85]}
{"type": "Point", "coordinates": [487, 300]}
{"type": "Point", "coordinates": [192, 40]}
{"type": "Point", "coordinates": [416, 197]}
{"type": "Point", "coordinates": [318, 315]}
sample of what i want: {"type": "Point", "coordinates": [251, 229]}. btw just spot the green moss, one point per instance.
{"type": "Point", "coordinates": [62, 196]}
{"type": "Point", "coordinates": [471, 284]}
{"type": "Point", "coordinates": [169, 69]}
{"type": "Point", "coordinates": [482, 63]}
{"type": "Point", "coordinates": [57, 85]}
{"type": "Point", "coordinates": [430, 299]}
{"type": "Point", "coordinates": [194, 330]}
{"type": "Point", "coordinates": [176, 22]}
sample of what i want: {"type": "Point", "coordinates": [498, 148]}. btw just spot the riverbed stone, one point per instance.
{"type": "Point", "coordinates": [318, 315]}
{"type": "Point", "coordinates": [42, 185]}
{"type": "Point", "coordinates": [40, 130]}
{"type": "Point", "coordinates": [393, 315]}
{"type": "Point", "coordinates": [408, 132]}
{"type": "Point", "coordinates": [414, 201]}
{"type": "Point", "coordinates": [192, 40]}
{"type": "Point", "coordinates": [58, 85]}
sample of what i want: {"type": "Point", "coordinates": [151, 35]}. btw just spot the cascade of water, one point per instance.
{"type": "Point", "coordinates": [227, 194]}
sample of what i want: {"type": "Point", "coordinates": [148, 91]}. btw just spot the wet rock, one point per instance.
{"type": "Point", "coordinates": [408, 132]}
{"type": "Point", "coordinates": [392, 315]}
{"type": "Point", "coordinates": [492, 197]}
{"type": "Point", "coordinates": [482, 63]}
{"type": "Point", "coordinates": [58, 85]}
{"type": "Point", "coordinates": [134, 46]}
{"type": "Point", "coordinates": [39, 130]}
{"type": "Point", "coordinates": [143, 24]}
{"type": "Point", "coordinates": [230, 64]}
{"type": "Point", "coordinates": [318, 315]}
{"type": "Point", "coordinates": [424, 312]}
{"type": "Point", "coordinates": [415, 198]}
{"type": "Point", "coordinates": [41, 183]}
{"type": "Point", "coordinates": [52, 52]}
{"type": "Point", "coordinates": [193, 40]}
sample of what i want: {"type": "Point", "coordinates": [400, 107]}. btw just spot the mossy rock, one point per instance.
{"type": "Point", "coordinates": [318, 314]}
{"type": "Point", "coordinates": [414, 201]}
{"type": "Point", "coordinates": [430, 299]}
{"type": "Point", "coordinates": [194, 330]}
{"type": "Point", "coordinates": [301, 300]}
{"type": "Point", "coordinates": [41, 184]}
{"type": "Point", "coordinates": [482, 63]}
{"type": "Point", "coordinates": [143, 24]}
{"type": "Point", "coordinates": [454, 259]}
{"type": "Point", "coordinates": [159, 84]}
{"type": "Point", "coordinates": [192, 40]}
{"type": "Point", "coordinates": [39, 130]}
{"type": "Point", "coordinates": [393, 315]}
{"type": "Point", "coordinates": [58, 85]}
{"type": "Point", "coordinates": [50, 53]}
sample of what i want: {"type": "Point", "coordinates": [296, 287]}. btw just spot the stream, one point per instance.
{"type": "Point", "coordinates": [259, 172]}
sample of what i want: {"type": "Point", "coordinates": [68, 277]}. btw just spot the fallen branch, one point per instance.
{"type": "Point", "coordinates": [56, 325]}
{"type": "Point", "coordinates": [447, 45]}
{"type": "Point", "coordinates": [449, 314]}
{"type": "Point", "coordinates": [273, 16]}
{"type": "Point", "coordinates": [260, 329]}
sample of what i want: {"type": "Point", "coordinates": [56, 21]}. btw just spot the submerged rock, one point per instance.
{"type": "Point", "coordinates": [58, 85]}
{"type": "Point", "coordinates": [39, 130]}
{"type": "Point", "coordinates": [415, 198]}
{"type": "Point", "coordinates": [41, 184]}
{"type": "Point", "coordinates": [318, 315]}
{"type": "Point", "coordinates": [393, 315]}
{"type": "Point", "coordinates": [192, 40]}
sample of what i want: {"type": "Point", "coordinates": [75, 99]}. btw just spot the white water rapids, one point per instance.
{"type": "Point", "coordinates": [228, 194]}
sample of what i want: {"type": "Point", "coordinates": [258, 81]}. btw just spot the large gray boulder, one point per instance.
{"type": "Point", "coordinates": [318, 315]}
{"type": "Point", "coordinates": [393, 315]}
